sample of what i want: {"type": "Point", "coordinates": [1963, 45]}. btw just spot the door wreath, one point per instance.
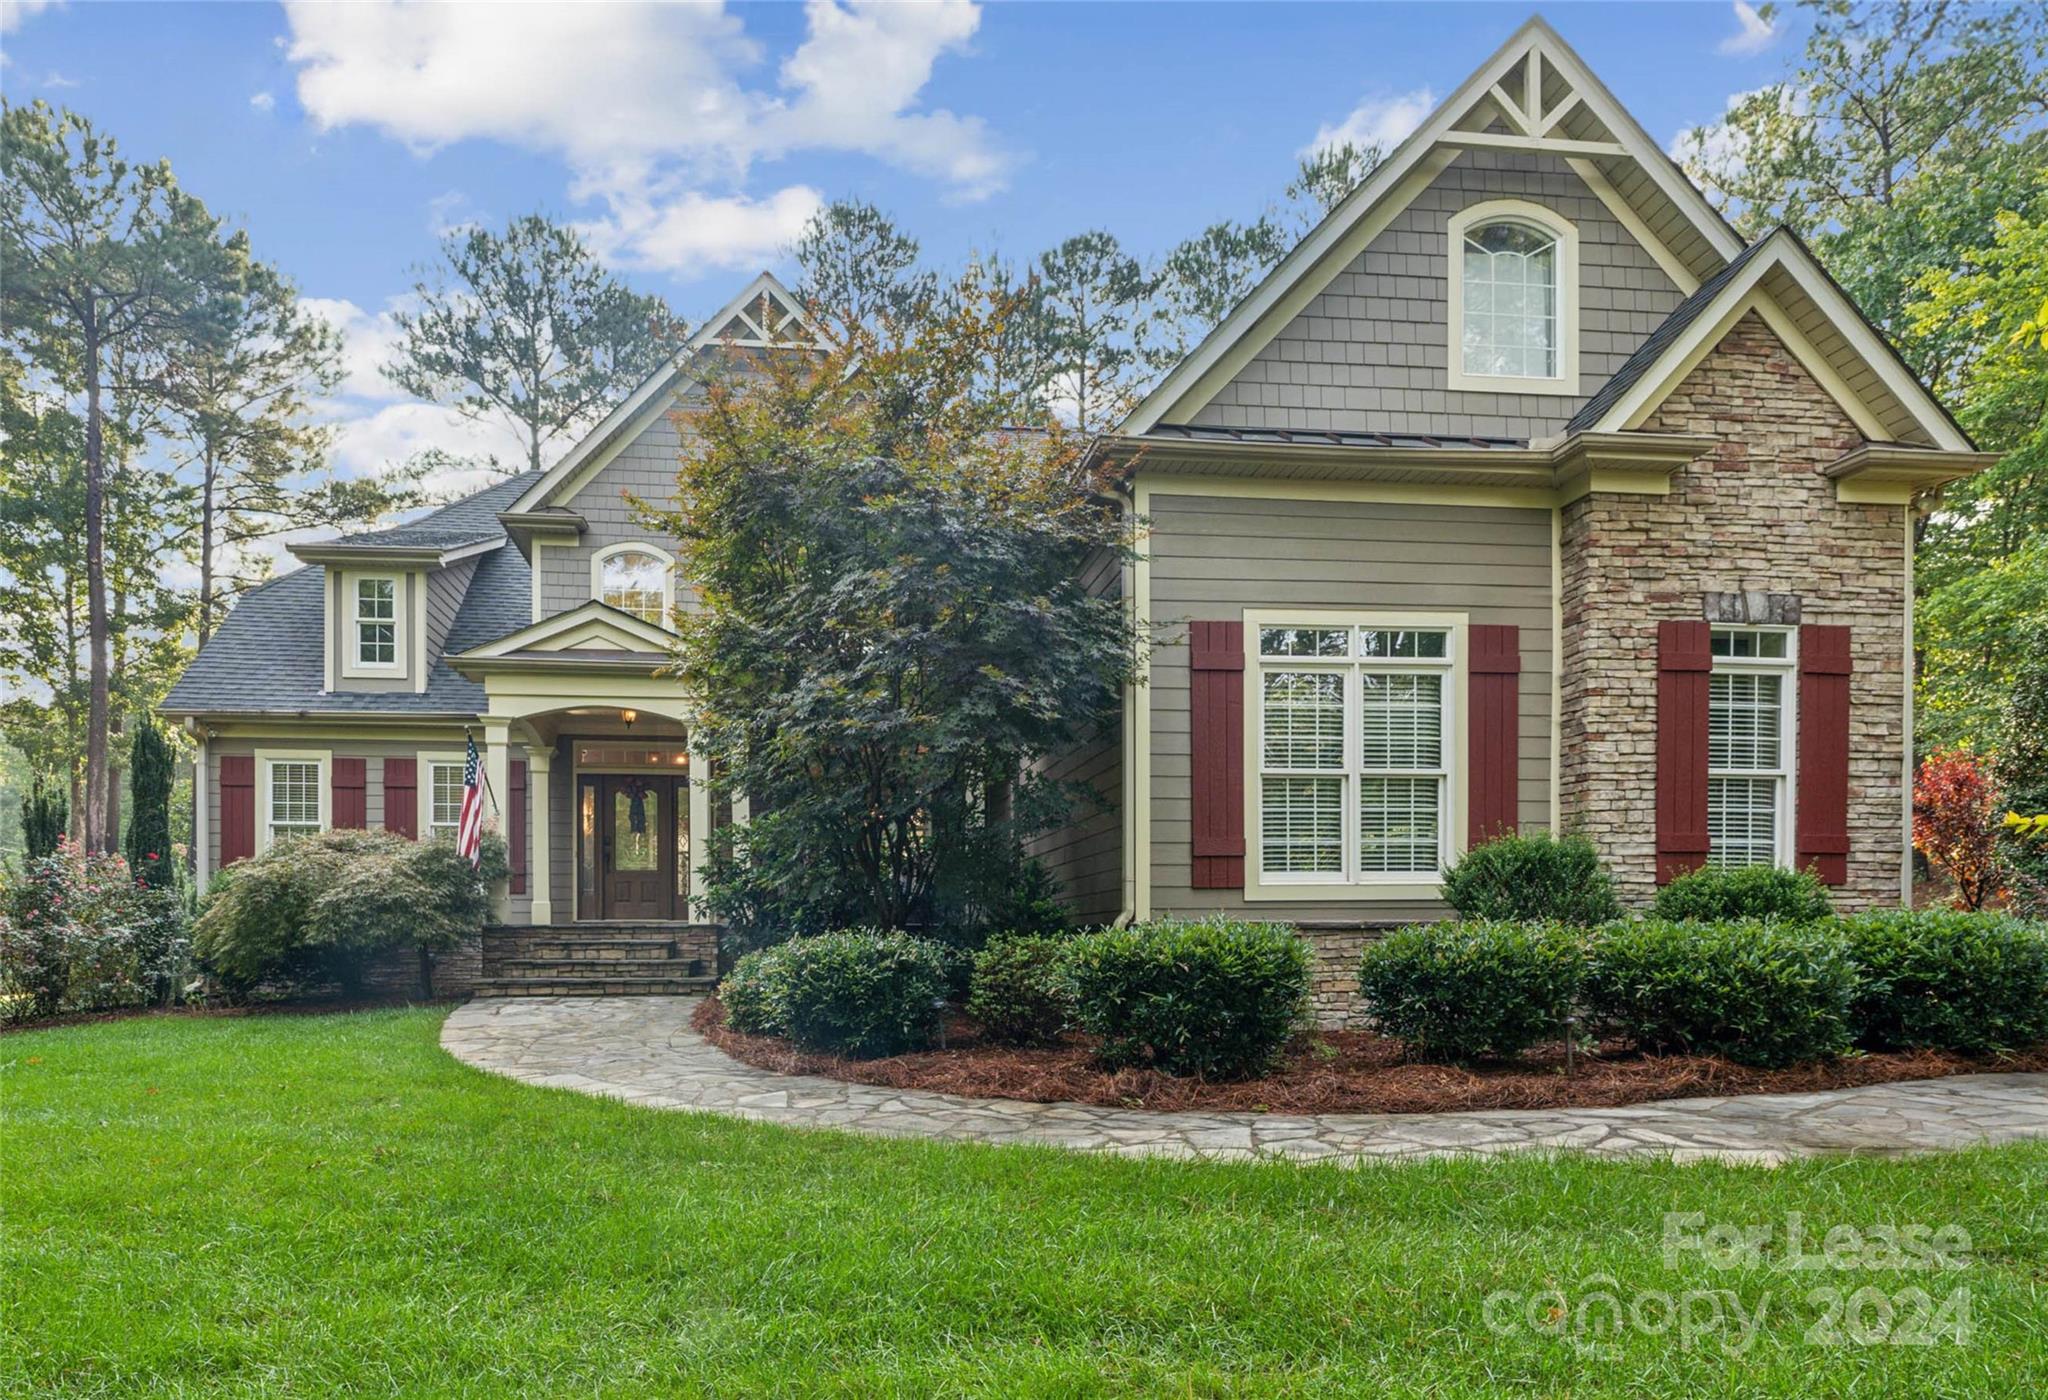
{"type": "Point", "coordinates": [636, 790]}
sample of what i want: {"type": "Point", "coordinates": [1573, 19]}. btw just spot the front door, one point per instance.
{"type": "Point", "coordinates": [636, 857]}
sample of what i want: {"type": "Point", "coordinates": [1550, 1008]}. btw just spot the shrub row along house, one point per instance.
{"type": "Point", "coordinates": [1521, 494]}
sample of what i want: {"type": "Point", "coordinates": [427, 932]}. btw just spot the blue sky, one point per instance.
{"type": "Point", "coordinates": [690, 141]}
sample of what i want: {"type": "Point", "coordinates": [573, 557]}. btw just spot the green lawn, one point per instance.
{"type": "Point", "coordinates": [327, 1204]}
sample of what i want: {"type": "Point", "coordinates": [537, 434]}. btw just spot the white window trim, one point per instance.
{"type": "Point", "coordinates": [668, 573]}
{"type": "Point", "coordinates": [424, 786]}
{"type": "Point", "coordinates": [1785, 848]}
{"type": "Point", "coordinates": [264, 759]}
{"type": "Point", "coordinates": [1566, 381]}
{"type": "Point", "coordinates": [1363, 888]}
{"type": "Point", "coordinates": [352, 664]}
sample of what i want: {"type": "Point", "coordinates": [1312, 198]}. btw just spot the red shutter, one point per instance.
{"type": "Point", "coordinates": [1493, 747]}
{"type": "Point", "coordinates": [515, 822]}
{"type": "Point", "coordinates": [350, 811]}
{"type": "Point", "coordinates": [1684, 661]}
{"type": "Point", "coordinates": [1823, 792]}
{"type": "Point", "coordinates": [237, 808]}
{"type": "Point", "coordinates": [1216, 757]}
{"type": "Point", "coordinates": [401, 797]}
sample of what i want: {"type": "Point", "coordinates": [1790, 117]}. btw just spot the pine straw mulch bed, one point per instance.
{"type": "Point", "coordinates": [1338, 1072]}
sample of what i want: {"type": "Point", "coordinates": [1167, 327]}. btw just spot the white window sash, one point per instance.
{"type": "Point", "coordinates": [1779, 775]}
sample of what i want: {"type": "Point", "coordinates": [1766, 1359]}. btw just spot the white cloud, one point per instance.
{"type": "Point", "coordinates": [649, 104]}
{"type": "Point", "coordinates": [13, 13]}
{"type": "Point", "coordinates": [56, 80]}
{"type": "Point", "coordinates": [691, 232]}
{"type": "Point", "coordinates": [366, 443]}
{"type": "Point", "coordinates": [1718, 146]}
{"type": "Point", "coordinates": [1753, 33]}
{"type": "Point", "coordinates": [367, 343]}
{"type": "Point", "coordinates": [263, 101]}
{"type": "Point", "coordinates": [1377, 121]}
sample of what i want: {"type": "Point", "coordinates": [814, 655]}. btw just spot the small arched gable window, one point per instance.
{"type": "Point", "coordinates": [1513, 300]}
{"type": "Point", "coordinates": [635, 578]}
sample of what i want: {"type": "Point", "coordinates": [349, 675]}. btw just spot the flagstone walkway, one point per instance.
{"type": "Point", "coordinates": [642, 1050]}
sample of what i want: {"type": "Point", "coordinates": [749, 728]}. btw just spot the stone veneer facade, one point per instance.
{"type": "Point", "coordinates": [1753, 514]}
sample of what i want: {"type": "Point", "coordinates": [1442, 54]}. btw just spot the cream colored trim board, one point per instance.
{"type": "Point", "coordinates": [1624, 214]}
{"type": "Point", "coordinates": [1906, 758]}
{"type": "Point", "coordinates": [1566, 233]}
{"type": "Point", "coordinates": [408, 638]}
{"type": "Point", "coordinates": [1141, 833]}
{"type": "Point", "coordinates": [1556, 667]}
{"type": "Point", "coordinates": [324, 758]}
{"type": "Point", "coordinates": [423, 784]}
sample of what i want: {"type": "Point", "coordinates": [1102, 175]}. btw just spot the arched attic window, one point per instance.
{"type": "Point", "coordinates": [637, 578]}
{"type": "Point", "coordinates": [1513, 300]}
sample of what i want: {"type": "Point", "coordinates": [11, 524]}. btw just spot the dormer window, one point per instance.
{"type": "Point", "coordinates": [376, 623]}
{"type": "Point", "coordinates": [635, 578]}
{"type": "Point", "coordinates": [1513, 300]}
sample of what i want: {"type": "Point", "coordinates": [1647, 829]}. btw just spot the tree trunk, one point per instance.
{"type": "Point", "coordinates": [97, 837]}
{"type": "Point", "coordinates": [206, 552]}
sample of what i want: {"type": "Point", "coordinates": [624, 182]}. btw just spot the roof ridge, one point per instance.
{"type": "Point", "coordinates": [517, 478]}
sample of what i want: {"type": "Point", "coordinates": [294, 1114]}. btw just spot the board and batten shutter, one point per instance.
{"type": "Point", "coordinates": [1493, 743]}
{"type": "Point", "coordinates": [1822, 833]}
{"type": "Point", "coordinates": [1216, 754]}
{"type": "Point", "coordinates": [401, 797]}
{"type": "Point", "coordinates": [1684, 663]}
{"type": "Point", "coordinates": [515, 822]}
{"type": "Point", "coordinates": [350, 810]}
{"type": "Point", "coordinates": [237, 807]}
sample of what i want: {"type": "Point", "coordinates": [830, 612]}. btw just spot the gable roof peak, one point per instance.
{"type": "Point", "coordinates": [766, 315]}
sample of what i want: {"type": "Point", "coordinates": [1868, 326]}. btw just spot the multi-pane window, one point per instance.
{"type": "Point", "coordinates": [444, 788]}
{"type": "Point", "coordinates": [294, 797]}
{"type": "Point", "coordinates": [1354, 775]}
{"type": "Point", "coordinates": [376, 618]}
{"type": "Point", "coordinates": [1510, 302]}
{"type": "Point", "coordinates": [1748, 702]}
{"type": "Point", "coordinates": [635, 581]}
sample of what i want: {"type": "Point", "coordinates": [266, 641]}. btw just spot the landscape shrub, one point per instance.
{"type": "Point", "coordinates": [1454, 991]}
{"type": "Point", "coordinates": [79, 932]}
{"type": "Point", "coordinates": [1714, 894]}
{"type": "Point", "coordinates": [1947, 980]}
{"type": "Point", "coordinates": [1537, 876]}
{"type": "Point", "coordinates": [1018, 991]}
{"type": "Point", "coordinates": [752, 992]}
{"type": "Point", "coordinates": [860, 992]}
{"type": "Point", "coordinates": [1758, 993]}
{"type": "Point", "coordinates": [319, 908]}
{"type": "Point", "coordinates": [1214, 997]}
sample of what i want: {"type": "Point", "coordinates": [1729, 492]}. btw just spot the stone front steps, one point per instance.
{"type": "Point", "coordinates": [621, 959]}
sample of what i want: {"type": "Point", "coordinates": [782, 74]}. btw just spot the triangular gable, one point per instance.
{"type": "Point", "coordinates": [767, 315]}
{"type": "Point", "coordinates": [594, 626]}
{"type": "Point", "coordinates": [1534, 95]}
{"type": "Point", "coordinates": [1779, 279]}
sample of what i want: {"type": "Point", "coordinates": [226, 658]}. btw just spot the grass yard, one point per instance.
{"type": "Point", "coordinates": [319, 1205]}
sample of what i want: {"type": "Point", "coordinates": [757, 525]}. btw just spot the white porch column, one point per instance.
{"type": "Point", "coordinates": [497, 773]}
{"type": "Point", "coordinates": [700, 822]}
{"type": "Point", "coordinates": [541, 792]}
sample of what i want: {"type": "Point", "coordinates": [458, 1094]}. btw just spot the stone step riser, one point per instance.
{"type": "Point", "coordinates": [595, 987]}
{"type": "Point", "coordinates": [530, 969]}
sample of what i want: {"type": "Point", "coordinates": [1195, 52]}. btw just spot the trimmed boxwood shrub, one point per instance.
{"type": "Point", "coordinates": [1712, 894]}
{"type": "Point", "coordinates": [1532, 877]}
{"type": "Point", "coordinates": [1454, 991]}
{"type": "Point", "coordinates": [1215, 997]}
{"type": "Point", "coordinates": [1949, 981]}
{"type": "Point", "coordinates": [860, 992]}
{"type": "Point", "coordinates": [752, 992]}
{"type": "Point", "coordinates": [1766, 994]}
{"type": "Point", "coordinates": [1018, 992]}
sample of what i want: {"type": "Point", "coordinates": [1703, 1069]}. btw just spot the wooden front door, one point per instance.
{"type": "Point", "coordinates": [637, 825]}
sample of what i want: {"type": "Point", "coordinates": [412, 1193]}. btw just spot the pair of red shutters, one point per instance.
{"type": "Point", "coordinates": [1684, 661]}
{"type": "Point", "coordinates": [348, 805]}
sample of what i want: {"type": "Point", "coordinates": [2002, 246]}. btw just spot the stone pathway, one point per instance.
{"type": "Point", "coordinates": [642, 1050]}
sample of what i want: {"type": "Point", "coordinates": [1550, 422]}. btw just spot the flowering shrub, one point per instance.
{"type": "Point", "coordinates": [79, 933]}
{"type": "Point", "coordinates": [1955, 824]}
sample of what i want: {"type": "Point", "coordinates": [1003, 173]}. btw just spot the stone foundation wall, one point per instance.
{"type": "Point", "coordinates": [1754, 514]}
{"type": "Point", "coordinates": [1333, 974]}
{"type": "Point", "coordinates": [396, 972]}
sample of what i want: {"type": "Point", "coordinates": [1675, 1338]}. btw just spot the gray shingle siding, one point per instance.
{"type": "Point", "coordinates": [645, 467]}
{"type": "Point", "coordinates": [1369, 353]}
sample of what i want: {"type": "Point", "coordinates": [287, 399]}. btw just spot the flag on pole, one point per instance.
{"type": "Point", "coordinates": [469, 827]}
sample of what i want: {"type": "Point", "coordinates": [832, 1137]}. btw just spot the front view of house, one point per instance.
{"type": "Point", "coordinates": [1522, 494]}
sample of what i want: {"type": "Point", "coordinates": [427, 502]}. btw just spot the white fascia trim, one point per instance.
{"type": "Point", "coordinates": [1624, 214]}
{"type": "Point", "coordinates": [668, 570]}
{"type": "Point", "coordinates": [1252, 323]}
{"type": "Point", "coordinates": [1566, 381]}
{"type": "Point", "coordinates": [323, 758]}
{"type": "Point", "coordinates": [564, 623]}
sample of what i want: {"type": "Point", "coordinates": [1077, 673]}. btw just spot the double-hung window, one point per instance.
{"type": "Point", "coordinates": [1353, 753]}
{"type": "Point", "coordinates": [1749, 746]}
{"type": "Point", "coordinates": [444, 795]}
{"type": "Point", "coordinates": [292, 790]}
{"type": "Point", "coordinates": [376, 623]}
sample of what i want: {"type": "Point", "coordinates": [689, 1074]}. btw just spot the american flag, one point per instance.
{"type": "Point", "coordinates": [469, 827]}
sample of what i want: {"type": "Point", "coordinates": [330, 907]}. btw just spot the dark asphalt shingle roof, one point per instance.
{"type": "Point", "coordinates": [267, 654]}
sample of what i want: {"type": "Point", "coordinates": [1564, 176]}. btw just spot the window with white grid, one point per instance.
{"type": "Point", "coordinates": [1353, 763]}
{"type": "Point", "coordinates": [445, 781]}
{"type": "Point", "coordinates": [294, 797]}
{"type": "Point", "coordinates": [376, 601]}
{"type": "Point", "coordinates": [1749, 697]}
{"type": "Point", "coordinates": [635, 580]}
